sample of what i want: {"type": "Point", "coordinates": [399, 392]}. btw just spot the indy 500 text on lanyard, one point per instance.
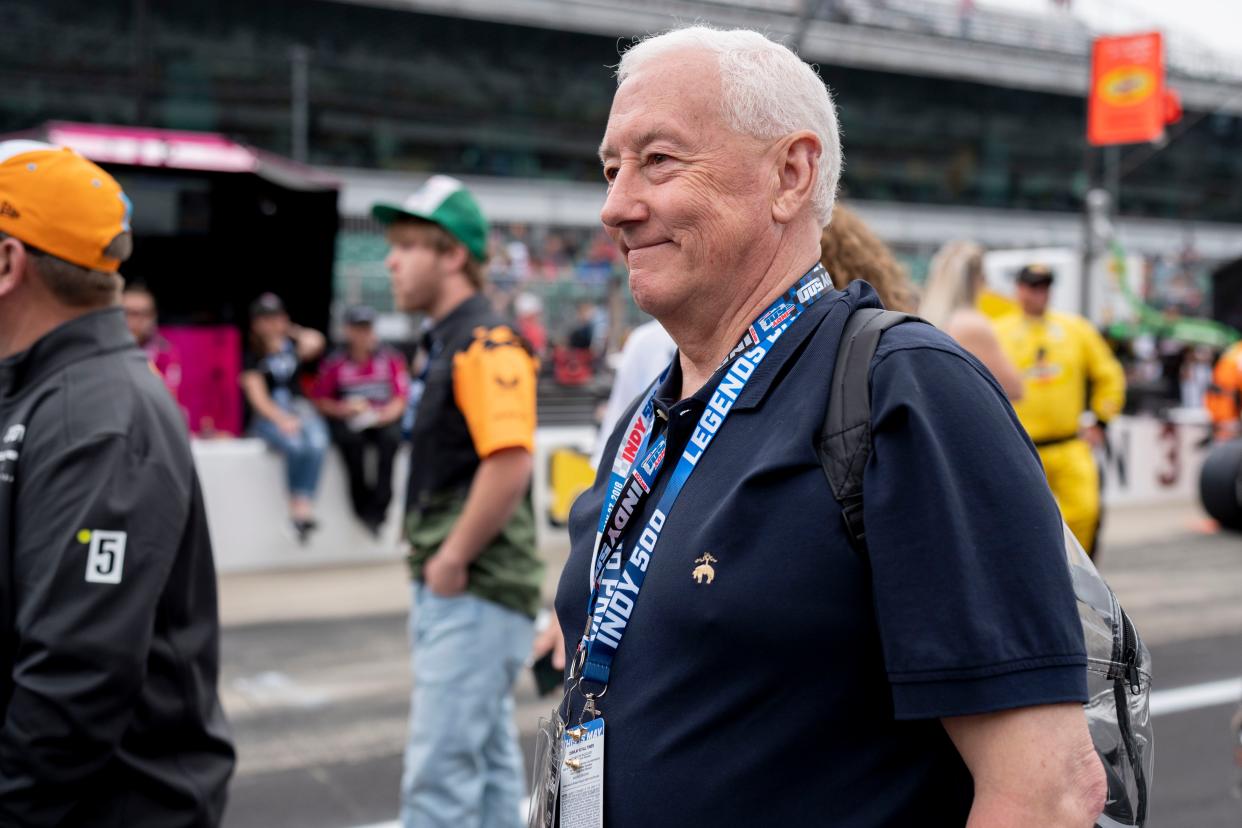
{"type": "Point", "coordinates": [613, 598]}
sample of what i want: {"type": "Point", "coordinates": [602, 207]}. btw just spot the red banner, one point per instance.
{"type": "Point", "coordinates": [1127, 98]}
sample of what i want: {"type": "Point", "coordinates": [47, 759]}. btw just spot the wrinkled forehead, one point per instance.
{"type": "Point", "coordinates": [673, 96]}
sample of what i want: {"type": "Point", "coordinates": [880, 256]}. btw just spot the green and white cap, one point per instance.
{"type": "Point", "coordinates": [444, 201]}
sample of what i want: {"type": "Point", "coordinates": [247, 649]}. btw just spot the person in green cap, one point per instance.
{"type": "Point", "coordinates": [469, 519]}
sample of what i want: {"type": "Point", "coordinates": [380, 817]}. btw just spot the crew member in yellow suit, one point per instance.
{"type": "Point", "coordinates": [1063, 360]}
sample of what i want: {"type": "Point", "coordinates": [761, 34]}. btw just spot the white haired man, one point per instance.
{"type": "Point", "coordinates": [750, 667]}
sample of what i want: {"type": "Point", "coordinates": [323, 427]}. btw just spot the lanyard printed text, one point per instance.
{"type": "Point", "coordinates": [615, 584]}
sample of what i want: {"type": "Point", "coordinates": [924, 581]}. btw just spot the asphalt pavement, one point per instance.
{"type": "Point", "coordinates": [316, 677]}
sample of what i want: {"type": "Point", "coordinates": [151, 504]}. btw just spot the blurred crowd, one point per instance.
{"type": "Point", "coordinates": [563, 291]}
{"type": "Point", "coordinates": [518, 254]}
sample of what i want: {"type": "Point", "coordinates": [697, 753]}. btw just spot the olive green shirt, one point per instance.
{"type": "Point", "coordinates": [507, 572]}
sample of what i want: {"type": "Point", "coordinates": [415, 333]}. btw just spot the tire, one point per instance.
{"type": "Point", "coordinates": [1218, 484]}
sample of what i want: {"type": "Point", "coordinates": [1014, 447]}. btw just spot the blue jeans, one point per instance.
{"type": "Point", "coordinates": [303, 451]}
{"type": "Point", "coordinates": [463, 766]}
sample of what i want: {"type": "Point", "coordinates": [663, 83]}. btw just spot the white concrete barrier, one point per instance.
{"type": "Point", "coordinates": [244, 488]}
{"type": "Point", "coordinates": [1155, 460]}
{"type": "Point", "coordinates": [1151, 461]}
{"type": "Point", "coordinates": [247, 509]}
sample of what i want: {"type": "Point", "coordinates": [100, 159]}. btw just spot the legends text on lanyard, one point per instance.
{"type": "Point", "coordinates": [614, 586]}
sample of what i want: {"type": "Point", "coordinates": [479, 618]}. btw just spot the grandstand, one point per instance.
{"type": "Point", "coordinates": [954, 124]}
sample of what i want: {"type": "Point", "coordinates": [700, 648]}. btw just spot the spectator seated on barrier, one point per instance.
{"type": "Point", "coordinates": [279, 354]}
{"type": "Point", "coordinates": [141, 317]}
{"type": "Point", "coordinates": [573, 363]}
{"type": "Point", "coordinates": [528, 312]}
{"type": "Point", "coordinates": [362, 390]}
{"type": "Point", "coordinates": [572, 366]}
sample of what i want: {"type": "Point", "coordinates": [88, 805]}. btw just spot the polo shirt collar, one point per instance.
{"type": "Point", "coordinates": [92, 333]}
{"type": "Point", "coordinates": [833, 308]}
{"type": "Point", "coordinates": [459, 317]}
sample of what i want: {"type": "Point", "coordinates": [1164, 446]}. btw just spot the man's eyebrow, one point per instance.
{"type": "Point", "coordinates": [607, 151]}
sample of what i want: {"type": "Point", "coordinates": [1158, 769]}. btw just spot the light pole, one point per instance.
{"type": "Point", "coordinates": [299, 59]}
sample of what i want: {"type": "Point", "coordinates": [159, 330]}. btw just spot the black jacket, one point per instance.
{"type": "Point", "coordinates": [109, 636]}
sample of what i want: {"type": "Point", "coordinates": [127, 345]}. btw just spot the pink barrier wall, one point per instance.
{"type": "Point", "coordinates": [210, 367]}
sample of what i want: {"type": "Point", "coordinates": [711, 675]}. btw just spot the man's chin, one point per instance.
{"type": "Point", "coordinates": [641, 287]}
{"type": "Point", "coordinates": [409, 303]}
{"type": "Point", "coordinates": [652, 294]}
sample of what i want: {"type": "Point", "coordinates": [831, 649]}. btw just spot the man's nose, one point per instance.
{"type": "Point", "coordinates": [625, 203]}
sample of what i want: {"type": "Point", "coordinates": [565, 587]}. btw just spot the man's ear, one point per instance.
{"type": "Point", "coordinates": [14, 264]}
{"type": "Point", "coordinates": [797, 170]}
{"type": "Point", "coordinates": [455, 258]}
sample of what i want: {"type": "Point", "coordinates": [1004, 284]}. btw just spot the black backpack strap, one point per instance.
{"type": "Point", "coordinates": [845, 439]}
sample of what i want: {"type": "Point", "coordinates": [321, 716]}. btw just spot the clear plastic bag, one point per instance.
{"type": "Point", "coordinates": [1119, 689]}
{"type": "Point", "coordinates": [545, 780]}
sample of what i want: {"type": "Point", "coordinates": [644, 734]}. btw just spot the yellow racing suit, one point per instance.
{"type": "Point", "coordinates": [1063, 361]}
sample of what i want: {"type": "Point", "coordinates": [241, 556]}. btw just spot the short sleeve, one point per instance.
{"type": "Point", "coordinates": [327, 384]}
{"type": "Point", "coordinates": [494, 386]}
{"type": "Point", "coordinates": [167, 364]}
{"type": "Point", "coordinates": [1108, 379]}
{"type": "Point", "coordinates": [972, 594]}
{"type": "Point", "coordinates": [400, 376]}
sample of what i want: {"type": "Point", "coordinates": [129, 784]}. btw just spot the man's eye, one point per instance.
{"type": "Point", "coordinates": [657, 158]}
{"type": "Point", "coordinates": [610, 173]}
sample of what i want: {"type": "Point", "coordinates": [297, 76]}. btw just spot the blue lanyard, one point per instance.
{"type": "Point", "coordinates": [612, 600]}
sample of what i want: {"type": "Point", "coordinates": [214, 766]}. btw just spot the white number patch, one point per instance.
{"type": "Point", "coordinates": [106, 557]}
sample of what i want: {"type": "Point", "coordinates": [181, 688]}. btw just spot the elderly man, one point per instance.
{"type": "Point", "coordinates": [749, 667]}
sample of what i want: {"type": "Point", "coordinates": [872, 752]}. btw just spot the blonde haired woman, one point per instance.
{"type": "Point", "coordinates": [949, 299]}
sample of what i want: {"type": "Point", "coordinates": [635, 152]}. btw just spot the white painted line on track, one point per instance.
{"type": "Point", "coordinates": [1208, 694]}
{"type": "Point", "coordinates": [397, 824]}
{"type": "Point", "coordinates": [1163, 703]}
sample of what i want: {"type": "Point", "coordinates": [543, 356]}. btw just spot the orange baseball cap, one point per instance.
{"type": "Point", "coordinates": [57, 201]}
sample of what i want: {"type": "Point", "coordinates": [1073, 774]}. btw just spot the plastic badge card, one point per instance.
{"type": "Point", "coordinates": [582, 776]}
{"type": "Point", "coordinates": [547, 777]}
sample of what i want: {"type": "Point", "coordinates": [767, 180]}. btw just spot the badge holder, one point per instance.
{"type": "Point", "coordinates": [545, 785]}
{"type": "Point", "coordinates": [582, 768]}
{"type": "Point", "coordinates": [546, 781]}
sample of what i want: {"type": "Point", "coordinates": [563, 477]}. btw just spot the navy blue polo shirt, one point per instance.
{"type": "Point", "coordinates": [802, 686]}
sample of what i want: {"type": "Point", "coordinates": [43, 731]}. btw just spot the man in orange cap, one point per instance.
{"type": "Point", "coordinates": [109, 655]}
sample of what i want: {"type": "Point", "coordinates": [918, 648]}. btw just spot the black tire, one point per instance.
{"type": "Point", "coordinates": [1218, 484]}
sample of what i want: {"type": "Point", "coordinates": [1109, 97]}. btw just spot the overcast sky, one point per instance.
{"type": "Point", "coordinates": [1217, 23]}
